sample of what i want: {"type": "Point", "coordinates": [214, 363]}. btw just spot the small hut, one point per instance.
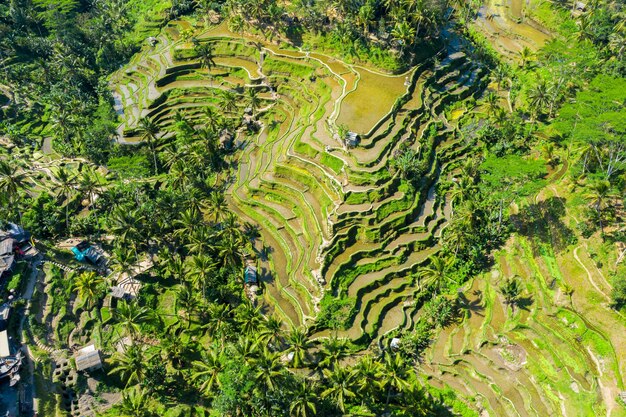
{"type": "Point", "coordinates": [226, 139]}
{"type": "Point", "coordinates": [351, 140]}
{"type": "Point", "coordinates": [250, 276]}
{"type": "Point", "coordinates": [88, 359]}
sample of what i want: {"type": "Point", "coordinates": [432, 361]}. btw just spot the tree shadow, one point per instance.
{"type": "Point", "coordinates": [543, 221]}
{"type": "Point", "coordinates": [264, 252]}
{"type": "Point", "coordinates": [474, 306]}
{"type": "Point", "coordinates": [265, 276]}
{"type": "Point", "coordinates": [523, 303]}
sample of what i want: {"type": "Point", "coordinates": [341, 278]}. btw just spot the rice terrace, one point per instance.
{"type": "Point", "coordinates": [372, 209]}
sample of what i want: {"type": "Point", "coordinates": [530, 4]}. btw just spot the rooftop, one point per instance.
{"type": "Point", "coordinates": [88, 358]}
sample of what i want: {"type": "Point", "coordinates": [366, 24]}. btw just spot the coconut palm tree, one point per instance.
{"type": "Point", "coordinates": [303, 400]}
{"type": "Point", "coordinates": [201, 270]}
{"type": "Point", "coordinates": [511, 289]}
{"type": "Point", "coordinates": [131, 316]}
{"type": "Point", "coordinates": [340, 382]}
{"type": "Point", "coordinates": [65, 187]}
{"type": "Point", "coordinates": [539, 97]}
{"type": "Point", "coordinates": [271, 332]}
{"type": "Point", "coordinates": [134, 403]}
{"type": "Point", "coordinates": [187, 302]}
{"type": "Point", "coordinates": [229, 249]}
{"type": "Point", "coordinates": [237, 24]}
{"type": "Point", "coordinates": [253, 99]}
{"type": "Point", "coordinates": [246, 349]}
{"type": "Point", "coordinates": [219, 322]}
{"type": "Point", "coordinates": [436, 272]}
{"type": "Point", "coordinates": [228, 102]}
{"type": "Point", "coordinates": [368, 380]}
{"type": "Point", "coordinates": [90, 287]}
{"type": "Point", "coordinates": [186, 222]}
{"type": "Point", "coordinates": [207, 371]}
{"type": "Point", "coordinates": [12, 181]}
{"type": "Point", "coordinates": [493, 102]}
{"type": "Point", "coordinates": [299, 345]}
{"type": "Point", "coordinates": [332, 351]}
{"type": "Point", "coordinates": [394, 374]}
{"type": "Point", "coordinates": [599, 192]}
{"type": "Point", "coordinates": [149, 132]}
{"type": "Point", "coordinates": [404, 34]}
{"type": "Point", "coordinates": [526, 56]}
{"type": "Point", "coordinates": [206, 54]}
{"type": "Point", "coordinates": [130, 364]}
{"type": "Point", "coordinates": [249, 318]}
{"type": "Point", "coordinates": [268, 369]}
{"type": "Point", "coordinates": [123, 261]}
{"type": "Point", "coordinates": [216, 207]}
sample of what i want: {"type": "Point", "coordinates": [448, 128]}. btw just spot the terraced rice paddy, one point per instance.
{"type": "Point", "coordinates": [324, 210]}
{"type": "Point", "coordinates": [508, 27]}
{"type": "Point", "coordinates": [336, 221]}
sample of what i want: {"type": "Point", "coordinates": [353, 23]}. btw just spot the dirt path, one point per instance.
{"type": "Point", "coordinates": [589, 275]}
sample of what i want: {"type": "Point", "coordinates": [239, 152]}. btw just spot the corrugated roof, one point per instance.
{"type": "Point", "coordinates": [4, 344]}
{"type": "Point", "coordinates": [6, 246]}
{"type": "Point", "coordinates": [87, 358]}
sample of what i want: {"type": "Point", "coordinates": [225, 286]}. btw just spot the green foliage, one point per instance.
{"type": "Point", "coordinates": [332, 162]}
{"type": "Point", "coordinates": [513, 176]}
{"type": "Point", "coordinates": [335, 313]}
{"type": "Point", "coordinates": [618, 294]}
{"type": "Point", "coordinates": [136, 166]}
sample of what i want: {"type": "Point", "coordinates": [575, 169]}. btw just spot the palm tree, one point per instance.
{"type": "Point", "coordinates": [90, 183]}
{"type": "Point", "coordinates": [598, 193]}
{"type": "Point", "coordinates": [511, 289]}
{"type": "Point", "coordinates": [493, 102]}
{"type": "Point", "coordinates": [130, 364]}
{"type": "Point", "coordinates": [131, 316]}
{"type": "Point", "coordinates": [340, 383]}
{"type": "Point", "coordinates": [200, 240]}
{"type": "Point", "coordinates": [201, 270]}
{"type": "Point", "coordinates": [268, 369]}
{"type": "Point", "coordinates": [246, 349]}
{"type": "Point", "coordinates": [65, 187]}
{"type": "Point", "coordinates": [237, 24]}
{"type": "Point", "coordinates": [229, 250]}
{"type": "Point", "coordinates": [219, 322]}
{"type": "Point", "coordinates": [206, 54]}
{"type": "Point", "coordinates": [394, 374]}
{"type": "Point", "coordinates": [368, 377]}
{"type": "Point", "coordinates": [249, 318]}
{"type": "Point", "coordinates": [539, 97]}
{"type": "Point", "coordinates": [12, 181]}
{"type": "Point", "coordinates": [216, 207]}
{"type": "Point", "coordinates": [526, 56]}
{"type": "Point", "coordinates": [134, 403]}
{"type": "Point", "coordinates": [332, 351]}
{"type": "Point", "coordinates": [229, 101]}
{"type": "Point", "coordinates": [149, 132]}
{"type": "Point", "coordinates": [207, 371]}
{"type": "Point", "coordinates": [271, 332]}
{"type": "Point", "coordinates": [436, 272]}
{"type": "Point", "coordinates": [123, 261]}
{"type": "Point", "coordinates": [303, 401]}
{"type": "Point", "coordinates": [90, 287]}
{"type": "Point", "coordinates": [187, 221]}
{"type": "Point", "coordinates": [254, 101]}
{"type": "Point", "coordinates": [299, 345]}
{"type": "Point", "coordinates": [404, 33]}
{"type": "Point", "coordinates": [187, 302]}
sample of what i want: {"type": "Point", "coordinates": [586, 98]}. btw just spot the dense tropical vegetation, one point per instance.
{"type": "Point", "coordinates": [192, 342]}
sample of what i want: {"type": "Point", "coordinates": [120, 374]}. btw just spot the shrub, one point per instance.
{"type": "Point", "coordinates": [335, 313]}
